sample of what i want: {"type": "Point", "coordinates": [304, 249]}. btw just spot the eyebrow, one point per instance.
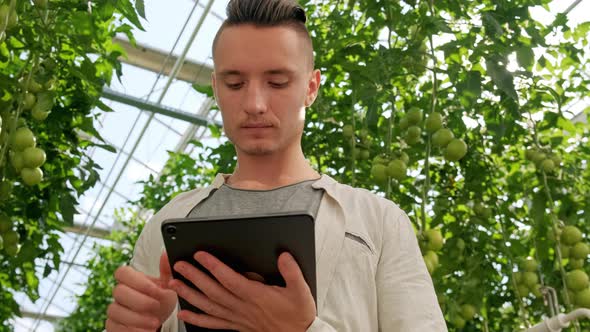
{"type": "Point", "coordinates": [278, 71]}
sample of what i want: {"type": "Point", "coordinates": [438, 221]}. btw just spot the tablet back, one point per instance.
{"type": "Point", "coordinates": [246, 243]}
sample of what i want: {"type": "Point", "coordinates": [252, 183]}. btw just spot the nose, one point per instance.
{"type": "Point", "coordinates": [255, 99]}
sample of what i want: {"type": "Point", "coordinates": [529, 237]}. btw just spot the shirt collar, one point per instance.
{"type": "Point", "coordinates": [325, 182]}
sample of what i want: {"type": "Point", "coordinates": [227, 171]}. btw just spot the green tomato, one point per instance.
{"type": "Point", "coordinates": [556, 159]}
{"type": "Point", "coordinates": [414, 116]}
{"type": "Point", "coordinates": [32, 86]}
{"type": "Point", "coordinates": [429, 265]}
{"type": "Point", "coordinates": [31, 176]}
{"type": "Point", "coordinates": [458, 322]}
{"type": "Point", "coordinates": [460, 244]}
{"type": "Point", "coordinates": [455, 150]}
{"type": "Point", "coordinates": [413, 135]}
{"type": "Point", "coordinates": [5, 223]}
{"type": "Point", "coordinates": [576, 263]}
{"type": "Point", "coordinates": [536, 290]}
{"type": "Point", "coordinates": [442, 137]}
{"type": "Point", "coordinates": [23, 138]}
{"type": "Point", "coordinates": [404, 157]}
{"type": "Point", "coordinates": [379, 160]}
{"type": "Point", "coordinates": [580, 251]}
{"type": "Point", "coordinates": [33, 157]}
{"type": "Point", "coordinates": [347, 131]}
{"type": "Point", "coordinates": [434, 122]}
{"type": "Point", "coordinates": [29, 100]}
{"type": "Point", "coordinates": [432, 256]}
{"type": "Point", "coordinates": [565, 250]}
{"type": "Point", "coordinates": [38, 114]}
{"type": "Point", "coordinates": [5, 190]}
{"type": "Point", "coordinates": [397, 169]}
{"type": "Point", "coordinates": [530, 153]}
{"type": "Point", "coordinates": [435, 239]}
{"type": "Point", "coordinates": [468, 311]}
{"type": "Point", "coordinates": [576, 280]}
{"type": "Point", "coordinates": [10, 237]}
{"type": "Point", "coordinates": [403, 123]}
{"type": "Point", "coordinates": [529, 265]}
{"type": "Point", "coordinates": [547, 165]}
{"type": "Point", "coordinates": [379, 172]}
{"type": "Point", "coordinates": [11, 249]}
{"type": "Point", "coordinates": [570, 235]}
{"type": "Point", "coordinates": [530, 279]}
{"type": "Point", "coordinates": [538, 157]}
{"type": "Point", "coordinates": [582, 298]}
{"type": "Point", "coordinates": [365, 154]}
{"type": "Point", "coordinates": [17, 161]}
{"type": "Point", "coordinates": [523, 290]}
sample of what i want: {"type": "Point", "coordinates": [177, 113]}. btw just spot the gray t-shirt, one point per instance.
{"type": "Point", "coordinates": [228, 201]}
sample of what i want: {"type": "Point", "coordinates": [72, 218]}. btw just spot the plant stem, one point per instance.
{"type": "Point", "coordinates": [390, 124]}
{"type": "Point", "coordinates": [353, 142]}
{"type": "Point", "coordinates": [13, 125]}
{"type": "Point", "coordinates": [522, 312]}
{"type": "Point", "coordinates": [568, 303]}
{"type": "Point", "coordinates": [426, 186]}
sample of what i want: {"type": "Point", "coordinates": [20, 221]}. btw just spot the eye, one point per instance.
{"type": "Point", "coordinates": [233, 86]}
{"type": "Point", "coordinates": [279, 85]}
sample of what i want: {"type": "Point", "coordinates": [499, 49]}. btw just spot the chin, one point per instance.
{"type": "Point", "coordinates": [257, 149]}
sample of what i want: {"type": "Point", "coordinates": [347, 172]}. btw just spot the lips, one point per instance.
{"type": "Point", "coordinates": [257, 125]}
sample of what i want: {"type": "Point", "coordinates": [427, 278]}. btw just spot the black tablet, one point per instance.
{"type": "Point", "coordinates": [250, 243]}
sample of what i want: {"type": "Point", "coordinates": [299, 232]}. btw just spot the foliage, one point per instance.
{"type": "Point", "coordinates": [55, 58]}
{"type": "Point", "coordinates": [503, 84]}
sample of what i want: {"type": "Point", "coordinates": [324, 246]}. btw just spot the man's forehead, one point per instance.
{"type": "Point", "coordinates": [277, 48]}
{"type": "Point", "coordinates": [224, 72]}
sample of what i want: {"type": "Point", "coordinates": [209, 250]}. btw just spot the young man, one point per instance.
{"type": "Point", "coordinates": [370, 273]}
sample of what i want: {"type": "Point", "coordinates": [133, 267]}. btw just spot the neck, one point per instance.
{"type": "Point", "coordinates": [271, 171]}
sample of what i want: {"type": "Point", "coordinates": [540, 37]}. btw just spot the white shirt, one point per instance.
{"type": "Point", "coordinates": [370, 272]}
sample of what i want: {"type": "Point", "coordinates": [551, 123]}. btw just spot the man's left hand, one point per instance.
{"type": "Point", "coordinates": [235, 302]}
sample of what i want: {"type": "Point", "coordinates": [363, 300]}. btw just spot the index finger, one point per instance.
{"type": "Point", "coordinates": [138, 281]}
{"type": "Point", "coordinates": [230, 279]}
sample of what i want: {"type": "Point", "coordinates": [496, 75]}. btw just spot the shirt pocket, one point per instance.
{"type": "Point", "coordinates": [355, 238]}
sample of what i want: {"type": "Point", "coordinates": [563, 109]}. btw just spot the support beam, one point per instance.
{"type": "Point", "coordinates": [100, 233]}
{"type": "Point", "coordinates": [46, 317]}
{"type": "Point", "coordinates": [152, 59]}
{"type": "Point", "coordinates": [580, 117]}
{"type": "Point", "coordinates": [158, 109]}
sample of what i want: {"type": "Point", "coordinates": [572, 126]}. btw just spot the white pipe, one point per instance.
{"type": "Point", "coordinates": [578, 313]}
{"type": "Point", "coordinates": [553, 324]}
{"type": "Point", "coordinates": [556, 323]}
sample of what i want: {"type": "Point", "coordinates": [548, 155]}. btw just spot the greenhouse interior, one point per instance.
{"type": "Point", "coordinates": [466, 120]}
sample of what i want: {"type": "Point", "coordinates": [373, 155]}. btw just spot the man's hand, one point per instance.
{"type": "Point", "coordinates": [235, 302]}
{"type": "Point", "coordinates": [142, 303]}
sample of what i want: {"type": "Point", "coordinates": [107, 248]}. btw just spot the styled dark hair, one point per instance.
{"type": "Point", "coordinates": [266, 13]}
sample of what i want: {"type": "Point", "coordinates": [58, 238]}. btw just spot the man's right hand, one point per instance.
{"type": "Point", "coordinates": [141, 303]}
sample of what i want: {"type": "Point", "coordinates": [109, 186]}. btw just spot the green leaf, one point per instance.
{"type": "Point", "coordinates": [502, 78]}
{"type": "Point", "coordinates": [67, 205]}
{"type": "Point", "coordinates": [140, 7]}
{"type": "Point", "coordinates": [566, 125]}
{"type": "Point", "coordinates": [204, 89]}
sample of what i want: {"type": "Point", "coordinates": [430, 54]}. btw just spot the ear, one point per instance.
{"type": "Point", "coordinates": [313, 87]}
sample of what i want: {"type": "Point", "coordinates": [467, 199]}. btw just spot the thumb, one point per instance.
{"type": "Point", "coordinates": [291, 272]}
{"type": "Point", "coordinates": [165, 271]}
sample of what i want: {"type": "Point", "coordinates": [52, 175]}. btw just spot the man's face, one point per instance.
{"type": "Point", "coordinates": [263, 81]}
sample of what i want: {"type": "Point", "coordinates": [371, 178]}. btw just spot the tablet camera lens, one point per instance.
{"type": "Point", "coordinates": [171, 230]}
